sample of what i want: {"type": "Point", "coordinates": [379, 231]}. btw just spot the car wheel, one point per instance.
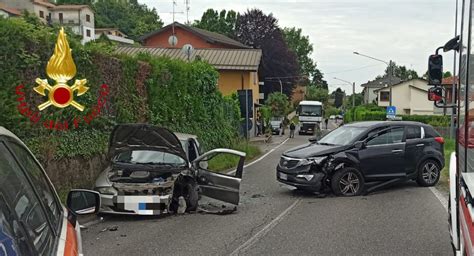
{"type": "Point", "coordinates": [428, 173]}
{"type": "Point", "coordinates": [347, 182]}
{"type": "Point", "coordinates": [191, 196]}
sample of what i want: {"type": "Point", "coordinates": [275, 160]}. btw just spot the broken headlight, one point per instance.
{"type": "Point", "coordinates": [312, 160]}
{"type": "Point", "coordinates": [107, 190]}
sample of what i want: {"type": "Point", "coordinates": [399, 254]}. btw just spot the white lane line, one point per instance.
{"type": "Point", "coordinates": [260, 234]}
{"type": "Point", "coordinates": [262, 157]}
{"type": "Point", "coordinates": [442, 199]}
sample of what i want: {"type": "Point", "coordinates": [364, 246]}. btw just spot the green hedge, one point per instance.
{"type": "Point", "coordinates": [375, 113]}
{"type": "Point", "coordinates": [179, 95]}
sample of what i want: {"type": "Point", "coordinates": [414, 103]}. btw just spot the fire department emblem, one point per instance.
{"type": "Point", "coordinates": [61, 69]}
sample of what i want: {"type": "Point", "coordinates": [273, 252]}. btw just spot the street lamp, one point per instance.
{"type": "Point", "coordinates": [390, 71]}
{"type": "Point", "coordinates": [353, 89]}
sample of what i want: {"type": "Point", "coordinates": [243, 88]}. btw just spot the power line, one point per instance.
{"type": "Point", "coordinates": [354, 69]}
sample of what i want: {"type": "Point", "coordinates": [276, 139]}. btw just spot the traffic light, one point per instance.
{"type": "Point", "coordinates": [435, 94]}
{"type": "Point", "coordinates": [435, 69]}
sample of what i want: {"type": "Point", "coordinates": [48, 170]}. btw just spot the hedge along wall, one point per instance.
{"type": "Point", "coordinates": [375, 113]}
{"type": "Point", "coordinates": [178, 95]}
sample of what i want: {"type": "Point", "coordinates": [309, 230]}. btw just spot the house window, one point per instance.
{"type": "Point", "coordinates": [384, 96]}
{"type": "Point", "coordinates": [88, 18]}
{"type": "Point", "coordinates": [41, 14]}
{"type": "Point", "coordinates": [88, 33]}
{"type": "Point", "coordinates": [60, 17]}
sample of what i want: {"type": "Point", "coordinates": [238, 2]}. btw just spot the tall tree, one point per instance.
{"type": "Point", "coordinates": [132, 18]}
{"type": "Point", "coordinates": [278, 103]}
{"type": "Point", "coordinates": [318, 80]}
{"type": "Point", "coordinates": [317, 93]}
{"type": "Point", "coordinates": [222, 23]}
{"type": "Point", "coordinates": [302, 47]}
{"type": "Point", "coordinates": [254, 28]}
{"type": "Point", "coordinates": [401, 72]}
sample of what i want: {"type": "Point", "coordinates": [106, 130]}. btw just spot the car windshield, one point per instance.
{"type": "Point", "coordinates": [149, 157]}
{"type": "Point", "coordinates": [309, 110]}
{"type": "Point", "coordinates": [342, 136]}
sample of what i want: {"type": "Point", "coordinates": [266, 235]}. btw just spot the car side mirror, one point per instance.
{"type": "Point", "coordinates": [83, 202]}
{"type": "Point", "coordinates": [313, 139]}
{"type": "Point", "coordinates": [360, 144]}
{"type": "Point", "coordinates": [435, 94]}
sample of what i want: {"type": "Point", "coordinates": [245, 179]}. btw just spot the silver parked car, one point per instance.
{"type": "Point", "coordinates": [153, 171]}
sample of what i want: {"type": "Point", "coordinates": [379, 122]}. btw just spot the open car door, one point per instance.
{"type": "Point", "coordinates": [220, 186]}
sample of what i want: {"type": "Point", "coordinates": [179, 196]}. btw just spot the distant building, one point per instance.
{"type": "Point", "coordinates": [80, 18]}
{"type": "Point", "coordinates": [8, 12]}
{"type": "Point", "coordinates": [370, 96]}
{"type": "Point", "coordinates": [409, 97]}
{"type": "Point", "coordinates": [198, 38]}
{"type": "Point", "coordinates": [113, 34]}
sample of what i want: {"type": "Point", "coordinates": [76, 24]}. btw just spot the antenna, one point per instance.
{"type": "Point", "coordinates": [187, 2]}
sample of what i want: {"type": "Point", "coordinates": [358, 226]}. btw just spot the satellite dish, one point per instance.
{"type": "Point", "coordinates": [173, 40]}
{"type": "Point", "coordinates": [187, 50]}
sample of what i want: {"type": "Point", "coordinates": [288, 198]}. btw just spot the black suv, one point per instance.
{"type": "Point", "coordinates": [351, 156]}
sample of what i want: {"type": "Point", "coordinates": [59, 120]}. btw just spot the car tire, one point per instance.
{"type": "Point", "coordinates": [190, 193]}
{"type": "Point", "coordinates": [347, 182]}
{"type": "Point", "coordinates": [429, 173]}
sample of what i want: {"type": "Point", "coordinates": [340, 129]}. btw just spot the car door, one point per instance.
{"type": "Point", "coordinates": [220, 186]}
{"type": "Point", "coordinates": [383, 155]}
{"type": "Point", "coordinates": [413, 148]}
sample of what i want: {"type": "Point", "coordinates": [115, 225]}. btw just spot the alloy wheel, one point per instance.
{"type": "Point", "coordinates": [430, 172]}
{"type": "Point", "coordinates": [349, 184]}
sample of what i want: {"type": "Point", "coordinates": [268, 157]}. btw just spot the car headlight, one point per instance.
{"type": "Point", "coordinates": [312, 160]}
{"type": "Point", "coordinates": [107, 190]}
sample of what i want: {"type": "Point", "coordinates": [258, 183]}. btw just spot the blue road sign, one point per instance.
{"type": "Point", "coordinates": [391, 111]}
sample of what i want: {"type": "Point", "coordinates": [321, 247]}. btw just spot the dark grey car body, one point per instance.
{"type": "Point", "coordinates": [376, 161]}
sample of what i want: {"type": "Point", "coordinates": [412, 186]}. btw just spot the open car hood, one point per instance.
{"type": "Point", "coordinates": [144, 136]}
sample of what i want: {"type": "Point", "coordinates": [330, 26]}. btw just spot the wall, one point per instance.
{"type": "Point", "coordinates": [230, 81]}
{"type": "Point", "coordinates": [371, 95]}
{"type": "Point", "coordinates": [75, 172]}
{"type": "Point", "coordinates": [184, 37]}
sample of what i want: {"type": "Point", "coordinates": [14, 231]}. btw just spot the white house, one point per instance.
{"type": "Point", "coordinates": [370, 95]}
{"type": "Point", "coordinates": [80, 18]}
{"type": "Point", "coordinates": [409, 97]}
{"type": "Point", "coordinates": [114, 34]}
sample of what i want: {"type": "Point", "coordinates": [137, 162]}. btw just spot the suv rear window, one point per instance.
{"type": "Point", "coordinates": [430, 132]}
{"type": "Point", "coordinates": [413, 132]}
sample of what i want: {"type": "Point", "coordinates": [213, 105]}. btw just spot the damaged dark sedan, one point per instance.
{"type": "Point", "coordinates": [150, 173]}
{"type": "Point", "coordinates": [380, 153]}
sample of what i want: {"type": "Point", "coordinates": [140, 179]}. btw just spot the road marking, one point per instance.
{"type": "Point", "coordinates": [443, 200]}
{"type": "Point", "coordinates": [262, 157]}
{"type": "Point", "coordinates": [260, 234]}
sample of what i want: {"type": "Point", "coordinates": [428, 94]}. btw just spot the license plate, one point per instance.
{"type": "Point", "coordinates": [283, 176]}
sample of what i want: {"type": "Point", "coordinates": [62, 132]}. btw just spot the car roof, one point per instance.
{"type": "Point", "coordinates": [374, 124]}
{"type": "Point", "coordinates": [5, 132]}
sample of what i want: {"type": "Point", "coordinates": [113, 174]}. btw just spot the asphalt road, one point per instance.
{"type": "Point", "coordinates": [273, 219]}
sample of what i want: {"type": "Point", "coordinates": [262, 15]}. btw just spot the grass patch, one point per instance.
{"type": "Point", "coordinates": [223, 162]}
{"type": "Point", "coordinates": [449, 147]}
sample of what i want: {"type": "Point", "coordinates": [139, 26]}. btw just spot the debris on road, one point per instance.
{"type": "Point", "coordinates": [214, 209]}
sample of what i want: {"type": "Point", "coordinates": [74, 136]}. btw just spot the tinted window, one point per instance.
{"type": "Point", "coordinates": [26, 207]}
{"type": "Point", "coordinates": [394, 135]}
{"type": "Point", "coordinates": [8, 244]}
{"type": "Point", "coordinates": [342, 136]}
{"type": "Point", "coordinates": [41, 184]}
{"type": "Point", "coordinates": [413, 132]}
{"type": "Point", "coordinates": [430, 132]}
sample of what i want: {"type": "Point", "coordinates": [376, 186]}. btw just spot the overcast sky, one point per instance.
{"type": "Point", "coordinates": [406, 31]}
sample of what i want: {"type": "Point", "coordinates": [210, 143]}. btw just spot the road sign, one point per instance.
{"type": "Point", "coordinates": [391, 111]}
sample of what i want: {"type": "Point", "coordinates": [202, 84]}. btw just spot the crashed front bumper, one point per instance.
{"type": "Point", "coordinates": [302, 178]}
{"type": "Point", "coordinates": [135, 205]}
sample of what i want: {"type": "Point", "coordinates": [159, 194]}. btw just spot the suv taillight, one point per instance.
{"type": "Point", "coordinates": [440, 140]}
